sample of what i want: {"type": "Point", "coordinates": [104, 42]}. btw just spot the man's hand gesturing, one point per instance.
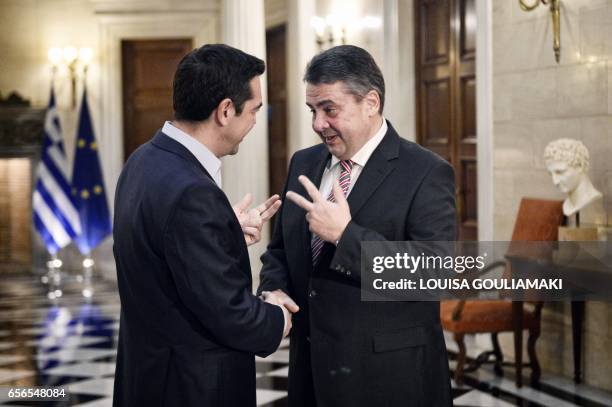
{"type": "Point", "coordinates": [252, 220]}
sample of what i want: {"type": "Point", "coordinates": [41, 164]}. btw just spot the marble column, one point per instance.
{"type": "Point", "coordinates": [303, 47]}
{"type": "Point", "coordinates": [243, 27]}
{"type": "Point", "coordinates": [390, 64]}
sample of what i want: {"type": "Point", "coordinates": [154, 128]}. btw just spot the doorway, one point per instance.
{"type": "Point", "coordinates": [445, 45]}
{"type": "Point", "coordinates": [148, 68]}
{"type": "Point", "coordinates": [276, 68]}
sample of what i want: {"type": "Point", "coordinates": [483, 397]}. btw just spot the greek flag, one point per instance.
{"type": "Point", "coordinates": [53, 210]}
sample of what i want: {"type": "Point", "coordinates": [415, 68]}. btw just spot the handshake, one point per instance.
{"type": "Point", "coordinates": [289, 307]}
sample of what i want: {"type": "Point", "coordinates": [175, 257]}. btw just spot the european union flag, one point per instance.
{"type": "Point", "coordinates": [88, 186]}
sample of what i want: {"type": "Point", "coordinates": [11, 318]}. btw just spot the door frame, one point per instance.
{"type": "Point", "coordinates": [201, 27]}
{"type": "Point", "coordinates": [270, 29]}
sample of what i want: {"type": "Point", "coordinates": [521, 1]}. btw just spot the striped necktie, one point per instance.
{"type": "Point", "coordinates": [345, 182]}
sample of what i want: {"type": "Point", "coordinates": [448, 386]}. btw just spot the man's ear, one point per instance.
{"type": "Point", "coordinates": [224, 112]}
{"type": "Point", "coordinates": [372, 101]}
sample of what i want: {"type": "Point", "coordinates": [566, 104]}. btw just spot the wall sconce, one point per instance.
{"type": "Point", "coordinates": [334, 26]}
{"type": "Point", "coordinates": [556, 17]}
{"type": "Point", "coordinates": [73, 58]}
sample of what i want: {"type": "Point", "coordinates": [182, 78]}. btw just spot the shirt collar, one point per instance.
{"type": "Point", "coordinates": [208, 160]}
{"type": "Point", "coordinates": [363, 155]}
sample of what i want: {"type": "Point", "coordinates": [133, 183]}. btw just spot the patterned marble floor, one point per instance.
{"type": "Point", "coordinates": [71, 341]}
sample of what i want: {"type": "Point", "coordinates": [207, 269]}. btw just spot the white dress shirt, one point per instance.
{"type": "Point", "coordinates": [208, 160]}
{"type": "Point", "coordinates": [332, 171]}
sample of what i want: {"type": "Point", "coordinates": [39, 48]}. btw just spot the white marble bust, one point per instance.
{"type": "Point", "coordinates": [567, 160]}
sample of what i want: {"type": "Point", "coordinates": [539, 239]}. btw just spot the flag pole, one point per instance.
{"type": "Point", "coordinates": [88, 265]}
{"type": "Point", "coordinates": [54, 265]}
{"type": "Point", "coordinates": [53, 73]}
{"type": "Point", "coordinates": [88, 262]}
{"type": "Point", "coordinates": [54, 277]}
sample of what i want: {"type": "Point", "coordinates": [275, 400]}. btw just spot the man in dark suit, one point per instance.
{"type": "Point", "coordinates": [190, 325]}
{"type": "Point", "coordinates": [345, 352]}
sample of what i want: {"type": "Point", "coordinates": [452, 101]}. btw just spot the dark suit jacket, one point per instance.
{"type": "Point", "coordinates": [190, 325]}
{"type": "Point", "coordinates": [345, 352]}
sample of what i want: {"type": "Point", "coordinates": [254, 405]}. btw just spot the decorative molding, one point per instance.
{"type": "Point", "coordinates": [153, 6]}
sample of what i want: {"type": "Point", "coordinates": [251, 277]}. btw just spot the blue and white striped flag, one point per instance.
{"type": "Point", "coordinates": [53, 210]}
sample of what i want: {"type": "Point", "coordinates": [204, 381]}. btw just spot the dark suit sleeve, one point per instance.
{"type": "Point", "coordinates": [203, 255]}
{"type": "Point", "coordinates": [431, 217]}
{"type": "Point", "coordinates": [275, 270]}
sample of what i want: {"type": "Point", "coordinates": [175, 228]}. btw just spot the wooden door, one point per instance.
{"type": "Point", "coordinates": [276, 68]}
{"type": "Point", "coordinates": [148, 68]}
{"type": "Point", "coordinates": [445, 35]}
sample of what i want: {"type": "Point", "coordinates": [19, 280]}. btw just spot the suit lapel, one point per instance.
{"type": "Point", "coordinates": [379, 166]}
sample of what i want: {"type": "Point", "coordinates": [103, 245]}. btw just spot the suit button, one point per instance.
{"type": "Point", "coordinates": [313, 293]}
{"type": "Point", "coordinates": [308, 338]}
{"type": "Point", "coordinates": [348, 272]}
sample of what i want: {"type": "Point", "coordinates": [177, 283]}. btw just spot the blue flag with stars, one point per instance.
{"type": "Point", "coordinates": [88, 186]}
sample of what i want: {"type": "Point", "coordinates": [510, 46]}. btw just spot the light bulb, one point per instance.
{"type": "Point", "coordinates": [85, 55]}
{"type": "Point", "coordinates": [319, 24]}
{"type": "Point", "coordinates": [70, 54]}
{"type": "Point", "coordinates": [55, 56]}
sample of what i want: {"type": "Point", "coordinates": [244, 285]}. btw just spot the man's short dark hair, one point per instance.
{"type": "Point", "coordinates": [209, 74]}
{"type": "Point", "coordinates": [350, 64]}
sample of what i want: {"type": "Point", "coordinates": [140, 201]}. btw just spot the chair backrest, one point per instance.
{"type": "Point", "coordinates": [538, 220]}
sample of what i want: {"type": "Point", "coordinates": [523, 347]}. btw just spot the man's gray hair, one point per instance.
{"type": "Point", "coordinates": [351, 65]}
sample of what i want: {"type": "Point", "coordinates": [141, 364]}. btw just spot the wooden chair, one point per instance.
{"type": "Point", "coordinates": [537, 220]}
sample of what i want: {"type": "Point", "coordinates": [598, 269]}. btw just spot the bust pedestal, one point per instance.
{"type": "Point", "coordinates": [578, 234]}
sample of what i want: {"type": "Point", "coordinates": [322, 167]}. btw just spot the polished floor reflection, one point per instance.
{"type": "Point", "coordinates": [69, 338]}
